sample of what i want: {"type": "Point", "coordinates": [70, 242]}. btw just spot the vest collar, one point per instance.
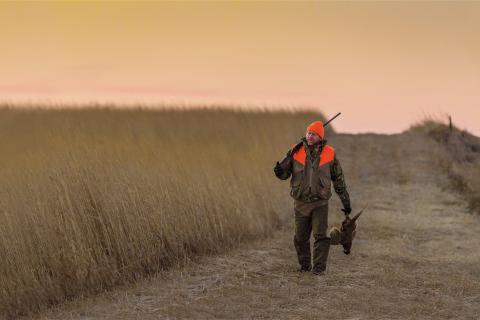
{"type": "Point", "coordinates": [309, 148]}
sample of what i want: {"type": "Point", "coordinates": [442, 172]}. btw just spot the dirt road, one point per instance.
{"type": "Point", "coordinates": [417, 255]}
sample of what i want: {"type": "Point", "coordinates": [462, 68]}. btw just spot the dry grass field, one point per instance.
{"type": "Point", "coordinates": [138, 214]}
{"type": "Point", "coordinates": [415, 256]}
{"type": "Point", "coordinates": [93, 198]}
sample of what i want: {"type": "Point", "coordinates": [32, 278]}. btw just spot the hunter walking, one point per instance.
{"type": "Point", "coordinates": [313, 165]}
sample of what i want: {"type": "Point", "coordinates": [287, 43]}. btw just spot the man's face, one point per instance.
{"type": "Point", "coordinates": [312, 138]}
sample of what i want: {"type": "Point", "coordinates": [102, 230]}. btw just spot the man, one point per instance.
{"type": "Point", "coordinates": [312, 164]}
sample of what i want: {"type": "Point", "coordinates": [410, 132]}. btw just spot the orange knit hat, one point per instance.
{"type": "Point", "coordinates": [317, 127]}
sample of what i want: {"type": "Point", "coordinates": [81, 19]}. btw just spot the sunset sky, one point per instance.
{"type": "Point", "coordinates": [384, 65]}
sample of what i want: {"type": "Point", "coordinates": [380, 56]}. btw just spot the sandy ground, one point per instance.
{"type": "Point", "coordinates": [416, 256]}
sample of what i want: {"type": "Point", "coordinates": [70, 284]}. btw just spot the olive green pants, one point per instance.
{"type": "Point", "coordinates": [317, 222]}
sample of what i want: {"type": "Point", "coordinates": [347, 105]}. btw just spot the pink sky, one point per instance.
{"type": "Point", "coordinates": [383, 65]}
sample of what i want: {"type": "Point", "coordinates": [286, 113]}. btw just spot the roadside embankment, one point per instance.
{"type": "Point", "coordinates": [461, 160]}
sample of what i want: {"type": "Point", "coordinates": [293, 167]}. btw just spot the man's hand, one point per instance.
{"type": "Point", "coordinates": [347, 210]}
{"type": "Point", "coordinates": [278, 169]}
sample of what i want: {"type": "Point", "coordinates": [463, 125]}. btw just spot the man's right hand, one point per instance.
{"type": "Point", "coordinates": [278, 169]}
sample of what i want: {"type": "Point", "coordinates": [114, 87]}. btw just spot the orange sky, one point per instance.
{"type": "Point", "coordinates": [384, 65]}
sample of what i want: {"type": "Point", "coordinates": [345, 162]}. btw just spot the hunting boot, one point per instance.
{"type": "Point", "coordinates": [305, 268]}
{"type": "Point", "coordinates": [321, 245]}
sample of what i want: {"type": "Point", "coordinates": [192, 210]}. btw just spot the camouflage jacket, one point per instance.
{"type": "Point", "coordinates": [312, 169]}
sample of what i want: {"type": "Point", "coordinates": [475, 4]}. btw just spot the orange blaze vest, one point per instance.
{"type": "Point", "coordinates": [311, 181]}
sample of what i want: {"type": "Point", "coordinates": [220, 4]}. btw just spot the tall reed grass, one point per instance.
{"type": "Point", "coordinates": [96, 197]}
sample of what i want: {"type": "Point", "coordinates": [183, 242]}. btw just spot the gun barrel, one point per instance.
{"type": "Point", "coordinates": [326, 123]}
